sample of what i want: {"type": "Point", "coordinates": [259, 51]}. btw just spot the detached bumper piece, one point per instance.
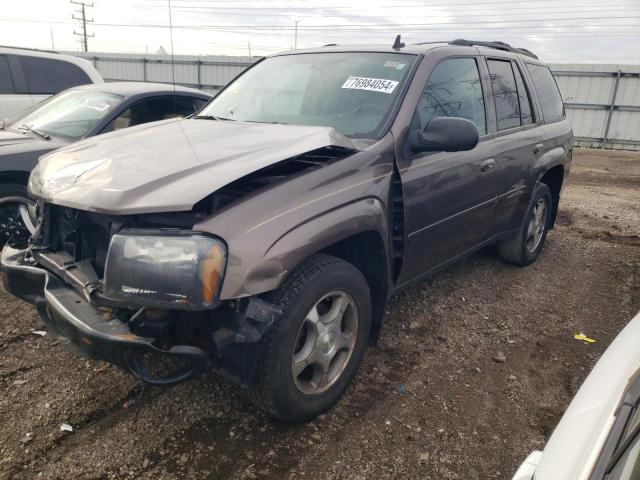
{"type": "Point", "coordinates": [89, 330]}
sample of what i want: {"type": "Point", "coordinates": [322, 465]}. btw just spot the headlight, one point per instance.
{"type": "Point", "coordinates": [173, 269]}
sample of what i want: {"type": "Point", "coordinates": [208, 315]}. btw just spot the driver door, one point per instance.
{"type": "Point", "coordinates": [449, 198]}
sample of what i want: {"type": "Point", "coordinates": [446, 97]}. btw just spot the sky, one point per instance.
{"type": "Point", "coordinates": [557, 31]}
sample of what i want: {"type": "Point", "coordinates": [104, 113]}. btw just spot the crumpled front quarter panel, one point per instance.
{"type": "Point", "coordinates": [270, 233]}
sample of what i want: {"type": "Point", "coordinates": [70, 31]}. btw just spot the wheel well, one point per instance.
{"type": "Point", "coordinates": [19, 177]}
{"type": "Point", "coordinates": [366, 252]}
{"type": "Point", "coordinates": [553, 178]}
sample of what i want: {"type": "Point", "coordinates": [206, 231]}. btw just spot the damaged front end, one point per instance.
{"type": "Point", "coordinates": [115, 265]}
{"type": "Point", "coordinates": [140, 296]}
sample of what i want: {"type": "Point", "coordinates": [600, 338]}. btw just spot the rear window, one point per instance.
{"type": "Point", "coordinates": [548, 93]}
{"type": "Point", "coordinates": [46, 76]}
{"type": "Point", "coordinates": [6, 82]}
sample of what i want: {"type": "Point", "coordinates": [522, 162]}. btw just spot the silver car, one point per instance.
{"type": "Point", "coordinates": [598, 437]}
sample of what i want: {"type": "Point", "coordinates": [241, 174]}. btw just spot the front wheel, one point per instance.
{"type": "Point", "coordinates": [311, 354]}
{"type": "Point", "coordinates": [525, 247]}
{"type": "Point", "coordinates": [17, 213]}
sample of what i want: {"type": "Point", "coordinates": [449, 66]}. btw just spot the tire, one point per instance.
{"type": "Point", "coordinates": [11, 224]}
{"type": "Point", "coordinates": [300, 398]}
{"type": "Point", "coordinates": [522, 249]}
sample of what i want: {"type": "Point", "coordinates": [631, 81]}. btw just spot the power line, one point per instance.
{"type": "Point", "coordinates": [450, 13]}
{"type": "Point", "coordinates": [396, 26]}
{"type": "Point", "coordinates": [378, 26]}
{"type": "Point", "coordinates": [351, 7]}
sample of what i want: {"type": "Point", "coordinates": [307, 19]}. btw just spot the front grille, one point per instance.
{"type": "Point", "coordinates": [83, 235]}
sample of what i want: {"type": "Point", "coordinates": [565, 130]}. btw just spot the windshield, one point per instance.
{"type": "Point", "coordinates": [70, 114]}
{"type": "Point", "coordinates": [352, 92]}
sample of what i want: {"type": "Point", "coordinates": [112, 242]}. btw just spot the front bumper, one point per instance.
{"type": "Point", "coordinates": [88, 329]}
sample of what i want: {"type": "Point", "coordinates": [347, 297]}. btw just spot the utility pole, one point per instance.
{"type": "Point", "coordinates": [250, 57]}
{"type": "Point", "coordinates": [295, 40]}
{"type": "Point", "coordinates": [83, 19]}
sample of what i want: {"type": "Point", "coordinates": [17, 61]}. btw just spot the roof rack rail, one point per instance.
{"type": "Point", "coordinates": [497, 44]}
{"type": "Point", "coordinates": [29, 49]}
{"type": "Point", "coordinates": [433, 41]}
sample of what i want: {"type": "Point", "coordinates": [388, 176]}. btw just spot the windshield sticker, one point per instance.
{"type": "Point", "coordinates": [371, 84]}
{"type": "Point", "coordinates": [395, 65]}
{"type": "Point", "coordinates": [99, 106]}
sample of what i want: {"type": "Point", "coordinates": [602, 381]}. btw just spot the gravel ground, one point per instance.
{"type": "Point", "coordinates": [473, 370]}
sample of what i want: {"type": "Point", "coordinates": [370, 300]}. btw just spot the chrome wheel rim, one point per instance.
{"type": "Point", "coordinates": [537, 224]}
{"type": "Point", "coordinates": [324, 343]}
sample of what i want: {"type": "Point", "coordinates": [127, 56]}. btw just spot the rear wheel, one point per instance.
{"type": "Point", "coordinates": [525, 247]}
{"type": "Point", "coordinates": [311, 354]}
{"type": "Point", "coordinates": [17, 212]}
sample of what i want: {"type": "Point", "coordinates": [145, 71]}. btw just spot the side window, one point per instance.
{"type": "Point", "coordinates": [6, 82]}
{"type": "Point", "coordinates": [620, 455]}
{"type": "Point", "coordinates": [548, 93]}
{"type": "Point", "coordinates": [627, 464]}
{"type": "Point", "coordinates": [46, 76]}
{"type": "Point", "coordinates": [152, 110]}
{"type": "Point", "coordinates": [526, 115]}
{"type": "Point", "coordinates": [453, 90]}
{"type": "Point", "coordinates": [199, 103]}
{"type": "Point", "coordinates": [505, 93]}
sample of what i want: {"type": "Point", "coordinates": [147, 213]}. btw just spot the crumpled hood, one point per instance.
{"type": "Point", "coordinates": [168, 166]}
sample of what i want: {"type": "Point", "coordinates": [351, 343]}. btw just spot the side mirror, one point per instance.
{"type": "Point", "coordinates": [448, 134]}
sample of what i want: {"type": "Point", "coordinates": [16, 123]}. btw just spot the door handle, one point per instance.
{"type": "Point", "coordinates": [537, 149]}
{"type": "Point", "coordinates": [487, 164]}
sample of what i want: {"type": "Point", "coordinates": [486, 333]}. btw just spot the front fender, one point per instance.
{"type": "Point", "coordinates": [314, 235]}
{"type": "Point", "coordinates": [257, 271]}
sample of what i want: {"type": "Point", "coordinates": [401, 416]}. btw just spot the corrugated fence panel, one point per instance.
{"type": "Point", "coordinates": [598, 120]}
{"type": "Point", "coordinates": [602, 102]}
{"type": "Point", "coordinates": [210, 72]}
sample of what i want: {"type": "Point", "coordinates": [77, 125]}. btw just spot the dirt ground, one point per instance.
{"type": "Point", "coordinates": [473, 371]}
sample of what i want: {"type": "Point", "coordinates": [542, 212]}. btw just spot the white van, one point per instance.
{"type": "Point", "coordinates": [29, 76]}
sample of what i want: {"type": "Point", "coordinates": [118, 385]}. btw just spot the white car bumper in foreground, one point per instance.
{"type": "Point", "coordinates": [528, 467]}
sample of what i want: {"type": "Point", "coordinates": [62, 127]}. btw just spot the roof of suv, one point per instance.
{"type": "Point", "coordinates": [420, 48]}
{"type": "Point", "coordinates": [415, 49]}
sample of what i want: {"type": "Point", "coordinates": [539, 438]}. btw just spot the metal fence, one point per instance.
{"type": "Point", "coordinates": [602, 101]}
{"type": "Point", "coordinates": [211, 72]}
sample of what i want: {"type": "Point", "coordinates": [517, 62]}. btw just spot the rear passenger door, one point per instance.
{"type": "Point", "coordinates": [449, 196]}
{"type": "Point", "coordinates": [518, 141]}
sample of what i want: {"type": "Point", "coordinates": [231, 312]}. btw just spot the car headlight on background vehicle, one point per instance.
{"type": "Point", "coordinates": [171, 269]}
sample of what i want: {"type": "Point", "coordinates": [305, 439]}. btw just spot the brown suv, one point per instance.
{"type": "Point", "coordinates": [263, 237]}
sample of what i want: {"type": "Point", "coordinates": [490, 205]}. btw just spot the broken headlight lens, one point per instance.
{"type": "Point", "coordinates": [170, 269]}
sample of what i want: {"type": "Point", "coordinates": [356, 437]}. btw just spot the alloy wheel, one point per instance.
{"type": "Point", "coordinates": [324, 343]}
{"type": "Point", "coordinates": [537, 225]}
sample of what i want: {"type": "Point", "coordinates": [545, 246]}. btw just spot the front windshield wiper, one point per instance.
{"type": "Point", "coordinates": [270, 123]}
{"type": "Point", "coordinates": [213, 117]}
{"type": "Point", "coordinates": [28, 128]}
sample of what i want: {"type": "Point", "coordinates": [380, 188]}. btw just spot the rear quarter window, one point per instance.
{"type": "Point", "coordinates": [46, 76]}
{"type": "Point", "coordinates": [548, 93]}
